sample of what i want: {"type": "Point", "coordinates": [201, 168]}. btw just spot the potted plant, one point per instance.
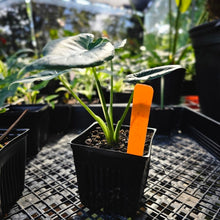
{"type": "Point", "coordinates": [116, 195]}
{"type": "Point", "coordinates": [206, 43]}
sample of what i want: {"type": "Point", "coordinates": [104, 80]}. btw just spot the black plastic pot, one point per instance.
{"type": "Point", "coordinates": [173, 83]}
{"type": "Point", "coordinates": [162, 119]}
{"type": "Point", "coordinates": [107, 179]}
{"type": "Point", "coordinates": [36, 119]}
{"type": "Point", "coordinates": [206, 43]}
{"type": "Point", "coordinates": [12, 169]}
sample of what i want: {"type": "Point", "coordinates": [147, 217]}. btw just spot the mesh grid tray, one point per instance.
{"type": "Point", "coordinates": [183, 183]}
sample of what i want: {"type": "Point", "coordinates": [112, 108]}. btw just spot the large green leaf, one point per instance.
{"type": "Point", "coordinates": [42, 76]}
{"type": "Point", "coordinates": [73, 52]}
{"type": "Point", "coordinates": [152, 73]}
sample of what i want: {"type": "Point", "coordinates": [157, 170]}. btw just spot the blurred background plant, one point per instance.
{"type": "Point", "coordinates": [213, 9]}
{"type": "Point", "coordinates": [157, 34]}
{"type": "Point", "coordinates": [28, 93]}
{"type": "Point", "coordinates": [17, 94]}
{"type": "Point", "coordinates": [167, 42]}
{"type": "Point", "coordinates": [9, 68]}
{"type": "Point", "coordinates": [82, 82]}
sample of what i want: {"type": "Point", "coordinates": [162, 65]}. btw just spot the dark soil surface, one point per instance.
{"type": "Point", "coordinates": [97, 139]}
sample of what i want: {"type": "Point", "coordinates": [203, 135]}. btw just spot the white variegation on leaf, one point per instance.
{"type": "Point", "coordinates": [73, 52]}
{"type": "Point", "coordinates": [152, 73]}
{"type": "Point", "coordinates": [80, 51]}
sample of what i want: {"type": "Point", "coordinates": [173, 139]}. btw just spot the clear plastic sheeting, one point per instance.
{"type": "Point", "coordinates": [156, 15]}
{"type": "Point", "coordinates": [93, 7]}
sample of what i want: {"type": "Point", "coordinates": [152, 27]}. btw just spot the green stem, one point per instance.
{"type": "Point", "coordinates": [29, 98]}
{"type": "Point", "coordinates": [30, 17]}
{"type": "Point", "coordinates": [176, 33]}
{"type": "Point", "coordinates": [34, 98]}
{"type": "Point", "coordinates": [203, 17]}
{"type": "Point", "coordinates": [96, 117]}
{"type": "Point", "coordinates": [162, 92]}
{"type": "Point", "coordinates": [104, 107]}
{"type": "Point", "coordinates": [111, 97]}
{"type": "Point", "coordinates": [118, 126]}
{"type": "Point", "coordinates": [170, 28]}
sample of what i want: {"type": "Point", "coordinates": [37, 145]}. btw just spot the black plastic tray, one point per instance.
{"type": "Point", "coordinates": [183, 183]}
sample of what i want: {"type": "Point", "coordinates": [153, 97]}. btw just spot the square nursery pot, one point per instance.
{"type": "Point", "coordinates": [110, 180]}
{"type": "Point", "coordinates": [36, 119]}
{"type": "Point", "coordinates": [12, 168]}
{"type": "Point", "coordinates": [172, 87]}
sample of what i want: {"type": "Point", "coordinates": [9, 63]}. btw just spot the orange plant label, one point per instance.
{"type": "Point", "coordinates": [140, 113]}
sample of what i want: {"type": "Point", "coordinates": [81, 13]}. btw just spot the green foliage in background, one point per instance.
{"type": "Point", "coordinates": [82, 51]}
{"type": "Point", "coordinates": [174, 47]}
{"type": "Point", "coordinates": [9, 73]}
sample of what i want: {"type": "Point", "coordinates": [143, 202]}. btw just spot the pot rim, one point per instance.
{"type": "Point", "coordinates": [205, 28]}
{"type": "Point", "coordinates": [19, 132]}
{"type": "Point", "coordinates": [110, 150]}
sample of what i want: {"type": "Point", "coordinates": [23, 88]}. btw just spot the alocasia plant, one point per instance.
{"type": "Point", "coordinates": [82, 51]}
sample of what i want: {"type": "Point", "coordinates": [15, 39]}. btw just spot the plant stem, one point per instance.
{"type": "Point", "coordinates": [103, 104]}
{"type": "Point", "coordinates": [111, 96]}
{"type": "Point", "coordinates": [162, 92]}
{"type": "Point", "coordinates": [176, 33]}
{"type": "Point", "coordinates": [96, 117]}
{"type": "Point", "coordinates": [170, 28]}
{"type": "Point", "coordinates": [118, 126]}
{"type": "Point", "coordinates": [29, 11]}
{"type": "Point", "coordinates": [203, 17]}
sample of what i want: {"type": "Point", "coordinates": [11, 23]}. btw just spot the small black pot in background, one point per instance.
{"type": "Point", "coordinates": [162, 119]}
{"type": "Point", "coordinates": [12, 168]}
{"type": "Point", "coordinates": [109, 179]}
{"type": "Point", "coordinates": [206, 43]}
{"type": "Point", "coordinates": [173, 83]}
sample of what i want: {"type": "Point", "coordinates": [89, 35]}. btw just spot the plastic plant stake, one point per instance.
{"type": "Point", "coordinates": [142, 100]}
